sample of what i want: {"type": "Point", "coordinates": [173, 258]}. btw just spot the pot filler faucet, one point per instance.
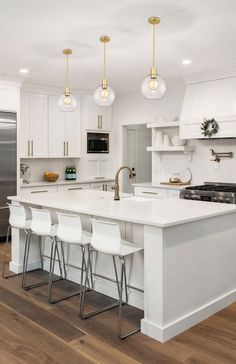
{"type": "Point", "coordinates": [117, 187]}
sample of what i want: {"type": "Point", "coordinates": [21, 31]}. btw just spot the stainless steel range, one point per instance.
{"type": "Point", "coordinates": [212, 192]}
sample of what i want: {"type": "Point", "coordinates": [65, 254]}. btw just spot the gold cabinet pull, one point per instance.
{"type": "Point", "coordinates": [67, 144]}
{"type": "Point", "coordinates": [32, 148]}
{"type": "Point", "coordinates": [98, 121]}
{"type": "Point", "coordinates": [101, 121]}
{"type": "Point", "coordinates": [64, 145]}
{"type": "Point", "coordinates": [28, 148]}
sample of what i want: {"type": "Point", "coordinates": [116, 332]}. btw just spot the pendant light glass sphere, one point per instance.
{"type": "Point", "coordinates": [153, 88]}
{"type": "Point", "coordinates": [67, 103]}
{"type": "Point", "coordinates": [104, 96]}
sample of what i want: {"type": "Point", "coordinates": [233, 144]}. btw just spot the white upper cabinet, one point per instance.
{"type": "Point", "coordinates": [9, 97]}
{"type": "Point", "coordinates": [206, 100]}
{"type": "Point", "coordinates": [24, 125]}
{"type": "Point", "coordinates": [97, 117]}
{"type": "Point", "coordinates": [73, 132]}
{"type": "Point", "coordinates": [64, 131]}
{"type": "Point", "coordinates": [34, 125]}
{"type": "Point", "coordinates": [39, 125]}
{"type": "Point", "coordinates": [56, 129]}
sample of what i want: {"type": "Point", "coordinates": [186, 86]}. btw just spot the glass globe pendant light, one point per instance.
{"type": "Point", "coordinates": [153, 86]}
{"type": "Point", "coordinates": [67, 101]}
{"type": "Point", "coordinates": [104, 95]}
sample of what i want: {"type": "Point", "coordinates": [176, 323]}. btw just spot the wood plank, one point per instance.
{"type": "Point", "coordinates": [100, 350]}
{"type": "Point", "coordinates": [26, 341]}
{"type": "Point", "coordinates": [48, 320]}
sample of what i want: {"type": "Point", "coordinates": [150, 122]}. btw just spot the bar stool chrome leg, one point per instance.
{"type": "Point", "coordinates": [25, 266]}
{"type": "Point", "coordinates": [52, 268]}
{"type": "Point", "coordinates": [123, 280]}
{"type": "Point", "coordinates": [83, 292]}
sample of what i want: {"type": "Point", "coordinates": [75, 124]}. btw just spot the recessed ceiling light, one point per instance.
{"type": "Point", "coordinates": [186, 61]}
{"type": "Point", "coordinates": [24, 70]}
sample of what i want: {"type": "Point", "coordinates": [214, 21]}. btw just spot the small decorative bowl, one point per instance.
{"type": "Point", "coordinates": [51, 177]}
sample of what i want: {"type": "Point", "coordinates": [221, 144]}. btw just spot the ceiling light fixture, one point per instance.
{"type": "Point", "coordinates": [104, 95]}
{"type": "Point", "coordinates": [67, 101]}
{"type": "Point", "coordinates": [186, 61]}
{"type": "Point", "coordinates": [24, 70]}
{"type": "Point", "coordinates": [153, 86]}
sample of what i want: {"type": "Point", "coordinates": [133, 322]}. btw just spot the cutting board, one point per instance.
{"type": "Point", "coordinates": [175, 183]}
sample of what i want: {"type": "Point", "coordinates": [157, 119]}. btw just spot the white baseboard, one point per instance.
{"type": "Point", "coordinates": [174, 328]}
{"type": "Point", "coordinates": [102, 285]}
{"type": "Point", "coordinates": [18, 268]}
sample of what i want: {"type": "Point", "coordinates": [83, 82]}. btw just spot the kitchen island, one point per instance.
{"type": "Point", "coordinates": [188, 270]}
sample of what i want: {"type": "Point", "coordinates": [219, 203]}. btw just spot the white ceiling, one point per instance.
{"type": "Point", "coordinates": [34, 32]}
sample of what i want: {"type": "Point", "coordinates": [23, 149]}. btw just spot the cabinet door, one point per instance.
{"type": "Point", "coordinates": [39, 125]}
{"type": "Point", "coordinates": [97, 186]}
{"type": "Point", "coordinates": [73, 187]}
{"type": "Point", "coordinates": [24, 125]}
{"type": "Point", "coordinates": [105, 117]}
{"type": "Point", "coordinates": [57, 137]}
{"type": "Point", "coordinates": [92, 114]}
{"type": "Point", "coordinates": [73, 136]}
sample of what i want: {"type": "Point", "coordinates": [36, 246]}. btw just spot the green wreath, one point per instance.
{"type": "Point", "coordinates": [209, 127]}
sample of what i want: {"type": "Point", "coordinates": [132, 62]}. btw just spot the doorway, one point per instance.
{"type": "Point", "coordinates": [136, 138]}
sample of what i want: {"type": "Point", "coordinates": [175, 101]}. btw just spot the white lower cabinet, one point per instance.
{"type": "Point", "coordinates": [74, 187]}
{"type": "Point", "coordinates": [156, 192]}
{"type": "Point", "coordinates": [35, 190]}
{"type": "Point", "coordinates": [105, 186]}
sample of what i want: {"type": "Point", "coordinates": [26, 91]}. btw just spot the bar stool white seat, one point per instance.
{"type": "Point", "coordinates": [106, 238]}
{"type": "Point", "coordinates": [69, 232]}
{"type": "Point", "coordinates": [41, 226]}
{"type": "Point", "coordinates": [17, 220]}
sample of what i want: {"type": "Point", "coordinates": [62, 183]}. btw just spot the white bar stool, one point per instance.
{"type": "Point", "coordinates": [41, 226]}
{"type": "Point", "coordinates": [106, 238]}
{"type": "Point", "coordinates": [17, 220]}
{"type": "Point", "coordinates": [69, 231]}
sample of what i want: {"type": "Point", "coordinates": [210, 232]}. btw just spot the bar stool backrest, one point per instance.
{"type": "Point", "coordinates": [41, 222]}
{"type": "Point", "coordinates": [69, 228]}
{"type": "Point", "coordinates": [17, 217]}
{"type": "Point", "coordinates": [106, 237]}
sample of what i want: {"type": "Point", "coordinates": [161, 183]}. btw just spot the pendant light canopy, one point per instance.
{"type": "Point", "coordinates": [67, 101]}
{"type": "Point", "coordinates": [153, 86]}
{"type": "Point", "coordinates": [104, 95]}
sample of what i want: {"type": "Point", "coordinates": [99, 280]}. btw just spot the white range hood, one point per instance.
{"type": "Point", "coordinates": [206, 100]}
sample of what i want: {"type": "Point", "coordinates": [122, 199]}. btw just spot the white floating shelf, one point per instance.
{"type": "Point", "coordinates": [171, 149]}
{"type": "Point", "coordinates": [164, 124]}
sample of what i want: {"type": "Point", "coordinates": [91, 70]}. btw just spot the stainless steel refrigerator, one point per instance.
{"type": "Point", "coordinates": [7, 165]}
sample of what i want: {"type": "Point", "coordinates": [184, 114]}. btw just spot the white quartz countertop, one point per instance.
{"type": "Point", "coordinates": [155, 212]}
{"type": "Point", "coordinates": [64, 182]}
{"type": "Point", "coordinates": [159, 185]}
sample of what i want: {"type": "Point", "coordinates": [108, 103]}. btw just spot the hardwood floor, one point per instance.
{"type": "Point", "coordinates": [32, 332]}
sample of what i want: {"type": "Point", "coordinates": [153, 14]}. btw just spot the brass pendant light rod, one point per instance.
{"type": "Point", "coordinates": [67, 52]}
{"type": "Point", "coordinates": [104, 39]}
{"type": "Point", "coordinates": [154, 21]}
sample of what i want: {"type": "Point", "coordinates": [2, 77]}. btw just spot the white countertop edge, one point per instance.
{"type": "Point", "coordinates": [64, 182]}
{"type": "Point", "coordinates": [90, 211]}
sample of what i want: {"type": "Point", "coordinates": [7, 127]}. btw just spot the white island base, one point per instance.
{"type": "Point", "coordinates": [188, 271]}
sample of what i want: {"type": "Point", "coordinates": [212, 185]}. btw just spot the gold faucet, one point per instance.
{"type": "Point", "coordinates": [117, 187]}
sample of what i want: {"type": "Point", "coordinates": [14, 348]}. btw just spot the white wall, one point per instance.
{"type": "Point", "coordinates": [132, 108]}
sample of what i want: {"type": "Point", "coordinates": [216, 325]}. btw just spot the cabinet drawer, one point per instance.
{"type": "Point", "coordinates": [151, 192]}
{"type": "Point", "coordinates": [74, 187]}
{"type": "Point", "coordinates": [39, 189]}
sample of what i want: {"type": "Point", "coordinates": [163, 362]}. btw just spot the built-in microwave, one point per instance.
{"type": "Point", "coordinates": [97, 142]}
